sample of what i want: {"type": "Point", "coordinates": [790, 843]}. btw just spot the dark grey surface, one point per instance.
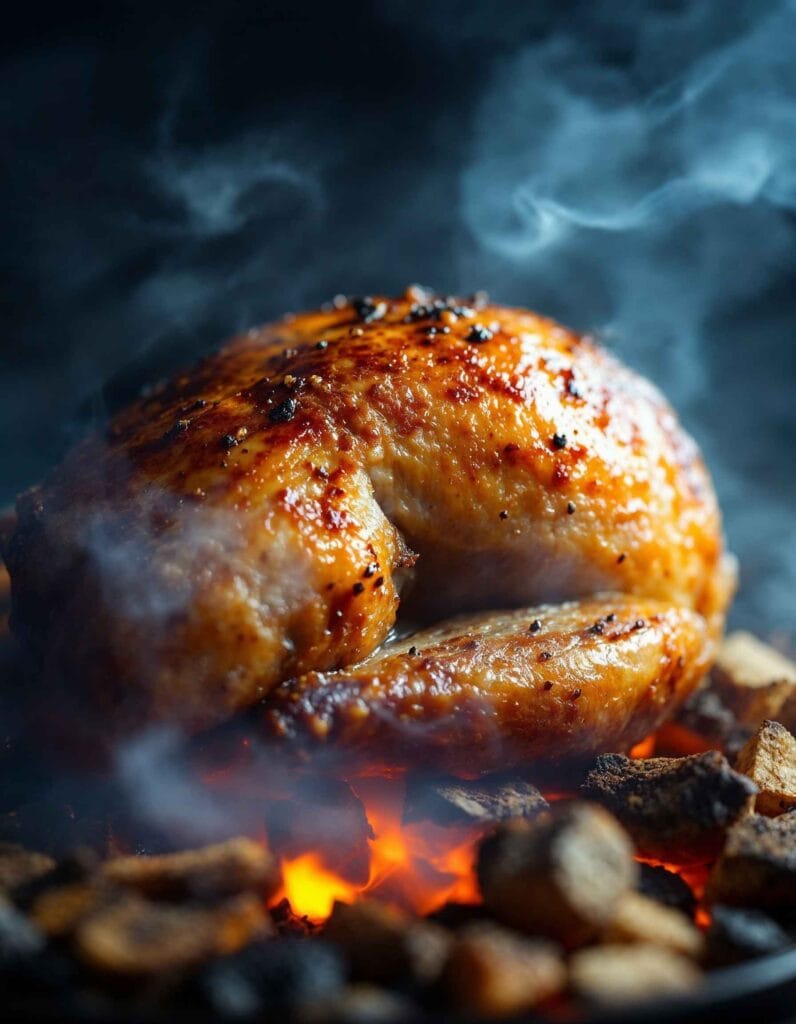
{"type": "Point", "coordinates": [176, 171]}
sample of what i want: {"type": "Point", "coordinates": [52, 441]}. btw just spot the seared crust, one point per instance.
{"type": "Point", "coordinates": [254, 519]}
{"type": "Point", "coordinates": [482, 693]}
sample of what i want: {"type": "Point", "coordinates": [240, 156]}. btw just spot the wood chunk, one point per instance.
{"type": "Point", "coordinates": [385, 946]}
{"type": "Point", "coordinates": [559, 876]}
{"type": "Point", "coordinates": [613, 975]}
{"type": "Point", "coordinates": [676, 809]}
{"type": "Point", "coordinates": [737, 934]}
{"type": "Point", "coordinates": [133, 937]}
{"type": "Point", "coordinates": [769, 759]}
{"type": "Point", "coordinates": [492, 972]}
{"type": "Point", "coordinates": [639, 919]}
{"type": "Point", "coordinates": [757, 867]}
{"type": "Point", "coordinates": [753, 679]}
{"type": "Point", "coordinates": [209, 873]}
{"type": "Point", "coordinates": [666, 887]}
{"type": "Point", "coordinates": [479, 802]}
{"type": "Point", "coordinates": [19, 866]}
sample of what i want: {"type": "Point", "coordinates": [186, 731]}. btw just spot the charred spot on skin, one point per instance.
{"type": "Point", "coordinates": [478, 334]}
{"type": "Point", "coordinates": [412, 650]}
{"type": "Point", "coordinates": [284, 412]}
{"type": "Point", "coordinates": [545, 656]}
{"type": "Point", "coordinates": [570, 508]}
{"type": "Point", "coordinates": [228, 441]}
{"type": "Point", "coordinates": [559, 441]}
{"type": "Point", "coordinates": [621, 558]}
{"type": "Point", "coordinates": [368, 310]}
{"type": "Point", "coordinates": [358, 588]}
{"type": "Point", "coordinates": [574, 694]}
{"type": "Point", "coordinates": [639, 624]}
{"type": "Point", "coordinates": [548, 684]}
{"type": "Point", "coordinates": [535, 626]}
{"type": "Point", "coordinates": [379, 583]}
{"type": "Point", "coordinates": [322, 344]}
{"type": "Point", "coordinates": [504, 514]}
{"type": "Point", "coordinates": [370, 570]}
{"type": "Point", "coordinates": [177, 428]}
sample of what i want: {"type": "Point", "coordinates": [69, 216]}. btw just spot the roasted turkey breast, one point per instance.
{"type": "Point", "coordinates": [261, 517]}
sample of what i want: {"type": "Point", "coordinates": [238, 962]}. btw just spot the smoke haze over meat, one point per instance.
{"type": "Point", "coordinates": [175, 176]}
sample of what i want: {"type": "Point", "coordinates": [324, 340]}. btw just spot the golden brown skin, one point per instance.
{"type": "Point", "coordinates": [257, 518]}
{"type": "Point", "coordinates": [479, 693]}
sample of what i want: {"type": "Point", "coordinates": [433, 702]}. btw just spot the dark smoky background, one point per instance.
{"type": "Point", "coordinates": [175, 172]}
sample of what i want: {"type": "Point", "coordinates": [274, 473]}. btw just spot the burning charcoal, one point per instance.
{"type": "Point", "coordinates": [19, 866]}
{"type": "Point", "coordinates": [666, 887]}
{"type": "Point", "coordinates": [752, 679]}
{"type": "Point", "coordinates": [639, 919]}
{"type": "Point", "coordinates": [736, 935]}
{"type": "Point", "coordinates": [769, 759]}
{"type": "Point", "coordinates": [757, 867]}
{"type": "Point", "coordinates": [676, 808]}
{"type": "Point", "coordinates": [132, 937]}
{"type": "Point", "coordinates": [212, 872]}
{"type": "Point", "coordinates": [704, 722]}
{"type": "Point", "coordinates": [560, 876]}
{"type": "Point", "coordinates": [613, 975]}
{"type": "Point", "coordinates": [385, 946]}
{"type": "Point", "coordinates": [289, 923]}
{"type": "Point", "coordinates": [323, 815]}
{"type": "Point", "coordinates": [492, 972]}
{"type": "Point", "coordinates": [482, 802]}
{"type": "Point", "coordinates": [271, 977]}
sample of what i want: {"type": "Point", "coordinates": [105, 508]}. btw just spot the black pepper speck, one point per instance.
{"type": "Point", "coordinates": [284, 412]}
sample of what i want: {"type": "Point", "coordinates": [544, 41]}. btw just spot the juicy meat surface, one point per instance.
{"type": "Point", "coordinates": [477, 693]}
{"type": "Point", "coordinates": [261, 516]}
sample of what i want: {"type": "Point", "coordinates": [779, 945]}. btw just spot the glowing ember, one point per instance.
{"type": "Point", "coordinates": [646, 748]}
{"type": "Point", "coordinates": [418, 866]}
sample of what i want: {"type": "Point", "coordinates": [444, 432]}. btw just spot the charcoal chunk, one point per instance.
{"type": "Point", "coordinates": [480, 802]}
{"type": "Point", "coordinates": [757, 867]}
{"type": "Point", "coordinates": [666, 887]}
{"type": "Point", "coordinates": [384, 945]}
{"type": "Point", "coordinates": [559, 876]}
{"type": "Point", "coordinates": [676, 809]}
{"type": "Point", "coordinates": [275, 976]}
{"type": "Point", "coordinates": [737, 934]}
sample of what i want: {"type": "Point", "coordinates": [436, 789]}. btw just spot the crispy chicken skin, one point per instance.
{"type": "Point", "coordinates": [261, 516]}
{"type": "Point", "coordinates": [478, 693]}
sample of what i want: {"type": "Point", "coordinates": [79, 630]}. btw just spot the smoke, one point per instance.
{"type": "Point", "coordinates": [651, 200]}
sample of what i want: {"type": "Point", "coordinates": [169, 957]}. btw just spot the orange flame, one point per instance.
{"type": "Point", "coordinates": [418, 866]}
